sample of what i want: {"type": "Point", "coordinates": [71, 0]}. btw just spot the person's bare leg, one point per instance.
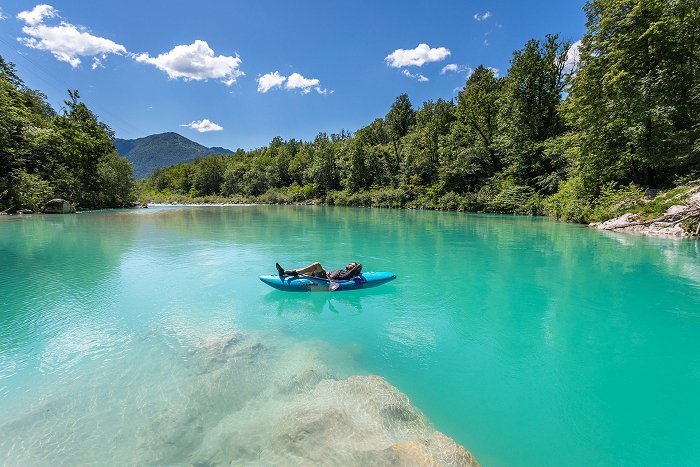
{"type": "Point", "coordinates": [310, 269]}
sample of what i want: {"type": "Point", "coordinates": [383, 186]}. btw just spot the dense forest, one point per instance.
{"type": "Point", "coordinates": [45, 154]}
{"type": "Point", "coordinates": [568, 138]}
{"type": "Point", "coordinates": [573, 139]}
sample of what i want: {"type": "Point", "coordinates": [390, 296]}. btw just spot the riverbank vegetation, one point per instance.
{"type": "Point", "coordinates": [45, 154]}
{"type": "Point", "coordinates": [572, 135]}
{"type": "Point", "coordinates": [578, 132]}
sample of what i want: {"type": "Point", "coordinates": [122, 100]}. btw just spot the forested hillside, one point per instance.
{"type": "Point", "coordinates": [45, 154]}
{"type": "Point", "coordinates": [162, 150]}
{"type": "Point", "coordinates": [568, 138]}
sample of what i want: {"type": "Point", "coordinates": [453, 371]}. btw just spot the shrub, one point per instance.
{"type": "Point", "coordinates": [388, 197]}
{"type": "Point", "coordinates": [569, 203]}
{"type": "Point", "coordinates": [614, 201]}
{"type": "Point", "coordinates": [31, 191]}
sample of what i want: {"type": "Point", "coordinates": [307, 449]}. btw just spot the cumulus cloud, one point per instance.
{"type": "Point", "coordinates": [297, 81]}
{"type": "Point", "coordinates": [197, 62]}
{"type": "Point", "coordinates": [495, 71]}
{"type": "Point", "coordinates": [417, 76]}
{"type": "Point", "coordinates": [270, 80]}
{"type": "Point", "coordinates": [38, 14]}
{"type": "Point", "coordinates": [416, 57]}
{"type": "Point", "coordinates": [572, 58]}
{"type": "Point", "coordinates": [482, 17]}
{"type": "Point", "coordinates": [2, 17]}
{"type": "Point", "coordinates": [67, 43]}
{"type": "Point", "coordinates": [454, 68]}
{"type": "Point", "coordinates": [293, 81]}
{"type": "Point", "coordinates": [203, 125]}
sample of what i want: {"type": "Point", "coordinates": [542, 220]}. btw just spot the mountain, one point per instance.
{"type": "Point", "coordinates": [163, 150]}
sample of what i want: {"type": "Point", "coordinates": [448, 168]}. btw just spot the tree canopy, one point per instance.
{"type": "Point", "coordinates": [45, 154]}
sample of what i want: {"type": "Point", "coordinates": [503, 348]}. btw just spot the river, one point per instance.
{"type": "Point", "coordinates": [145, 337]}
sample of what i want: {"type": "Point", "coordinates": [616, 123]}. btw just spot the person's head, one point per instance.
{"type": "Point", "coordinates": [349, 266]}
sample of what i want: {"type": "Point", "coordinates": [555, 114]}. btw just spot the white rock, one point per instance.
{"type": "Point", "coordinates": [695, 199]}
{"type": "Point", "coordinates": [676, 209]}
{"type": "Point", "coordinates": [618, 223]}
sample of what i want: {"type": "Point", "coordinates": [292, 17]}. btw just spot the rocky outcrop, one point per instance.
{"type": "Point", "coordinates": [674, 222]}
{"type": "Point", "coordinates": [58, 206]}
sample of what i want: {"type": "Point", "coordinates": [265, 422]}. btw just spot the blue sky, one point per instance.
{"type": "Point", "coordinates": [240, 73]}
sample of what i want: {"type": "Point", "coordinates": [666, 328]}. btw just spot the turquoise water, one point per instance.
{"type": "Point", "coordinates": [145, 337]}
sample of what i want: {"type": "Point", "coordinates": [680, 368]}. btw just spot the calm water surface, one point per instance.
{"type": "Point", "coordinates": [528, 341]}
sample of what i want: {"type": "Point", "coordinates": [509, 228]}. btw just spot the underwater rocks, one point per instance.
{"type": "Point", "coordinates": [362, 420]}
{"type": "Point", "coordinates": [302, 415]}
{"type": "Point", "coordinates": [230, 399]}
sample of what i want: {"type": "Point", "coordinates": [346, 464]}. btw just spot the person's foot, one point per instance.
{"type": "Point", "coordinates": [285, 272]}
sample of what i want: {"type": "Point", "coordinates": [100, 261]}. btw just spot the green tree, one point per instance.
{"type": "Point", "coordinates": [421, 160]}
{"type": "Point", "coordinates": [529, 113]}
{"type": "Point", "coordinates": [399, 120]}
{"type": "Point", "coordinates": [208, 175]}
{"type": "Point", "coordinates": [115, 176]}
{"type": "Point", "coordinates": [478, 109]}
{"type": "Point", "coordinates": [634, 101]}
{"type": "Point", "coordinates": [323, 171]}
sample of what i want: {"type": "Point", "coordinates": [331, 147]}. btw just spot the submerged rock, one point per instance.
{"type": "Point", "coordinates": [58, 206]}
{"type": "Point", "coordinates": [229, 399]}
{"type": "Point", "coordinates": [362, 420]}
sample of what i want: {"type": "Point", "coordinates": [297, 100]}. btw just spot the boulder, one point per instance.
{"type": "Point", "coordinates": [695, 199]}
{"type": "Point", "coordinates": [618, 223]}
{"type": "Point", "coordinates": [676, 209]}
{"type": "Point", "coordinates": [58, 206]}
{"type": "Point", "coordinates": [25, 211]}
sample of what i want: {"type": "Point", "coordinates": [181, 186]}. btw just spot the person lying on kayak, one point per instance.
{"type": "Point", "coordinates": [315, 269]}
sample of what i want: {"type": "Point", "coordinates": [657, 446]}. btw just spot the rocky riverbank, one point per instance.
{"type": "Point", "coordinates": [681, 219]}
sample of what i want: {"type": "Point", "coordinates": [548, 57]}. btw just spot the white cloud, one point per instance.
{"type": "Point", "coordinates": [482, 17]}
{"type": "Point", "coordinates": [197, 62]}
{"type": "Point", "coordinates": [67, 43]}
{"type": "Point", "coordinates": [454, 68]}
{"type": "Point", "coordinates": [37, 15]}
{"type": "Point", "coordinates": [417, 76]}
{"type": "Point", "coordinates": [416, 57]}
{"type": "Point", "coordinates": [270, 80]}
{"type": "Point", "coordinates": [294, 81]}
{"type": "Point", "coordinates": [572, 58]}
{"type": "Point", "coordinates": [493, 70]}
{"type": "Point", "coordinates": [2, 17]}
{"type": "Point", "coordinates": [203, 126]}
{"type": "Point", "coordinates": [297, 81]}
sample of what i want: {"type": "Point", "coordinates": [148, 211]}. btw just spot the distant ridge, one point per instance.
{"type": "Point", "coordinates": [162, 150]}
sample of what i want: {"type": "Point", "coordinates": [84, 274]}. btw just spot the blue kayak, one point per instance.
{"type": "Point", "coordinates": [305, 283]}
